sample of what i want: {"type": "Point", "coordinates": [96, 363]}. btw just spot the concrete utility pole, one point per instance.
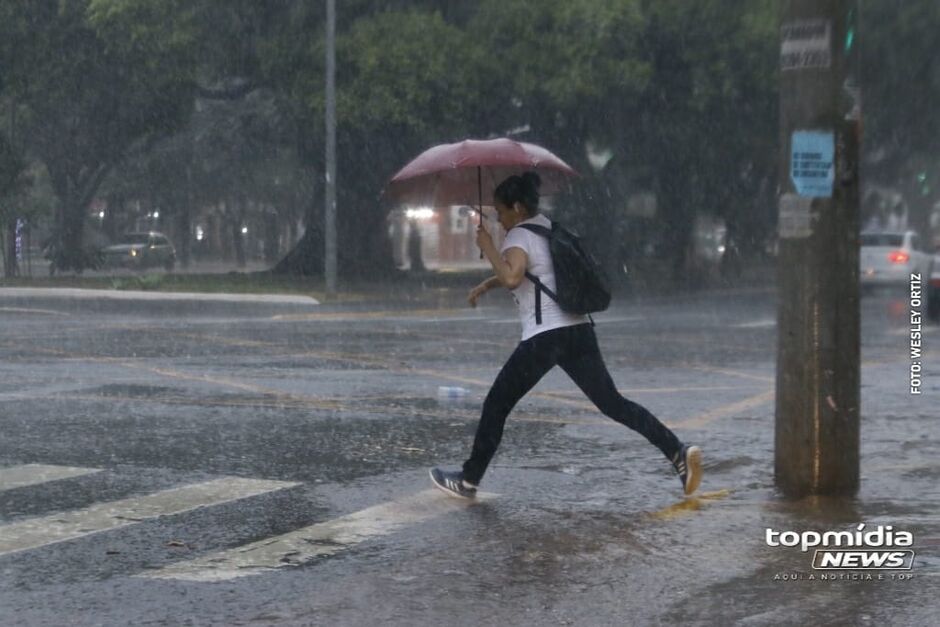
{"type": "Point", "coordinates": [330, 213]}
{"type": "Point", "coordinates": [817, 412]}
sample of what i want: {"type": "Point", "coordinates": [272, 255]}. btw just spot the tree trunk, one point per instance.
{"type": "Point", "coordinates": [364, 249]}
{"type": "Point", "coordinates": [109, 224]}
{"type": "Point", "coordinates": [306, 258]}
{"type": "Point", "coordinates": [272, 249]}
{"type": "Point", "coordinates": [216, 248]}
{"type": "Point", "coordinates": [184, 237]}
{"type": "Point", "coordinates": [75, 187]}
{"type": "Point", "coordinates": [10, 267]}
{"type": "Point", "coordinates": [677, 217]}
{"type": "Point", "coordinates": [225, 242]}
{"type": "Point", "coordinates": [238, 239]}
{"type": "Point", "coordinates": [66, 250]}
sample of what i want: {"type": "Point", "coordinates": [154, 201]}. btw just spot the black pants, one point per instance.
{"type": "Point", "coordinates": [574, 348]}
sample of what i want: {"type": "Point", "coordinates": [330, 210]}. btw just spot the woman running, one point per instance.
{"type": "Point", "coordinates": [562, 339]}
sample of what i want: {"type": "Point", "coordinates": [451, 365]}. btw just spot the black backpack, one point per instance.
{"type": "Point", "coordinates": [580, 282]}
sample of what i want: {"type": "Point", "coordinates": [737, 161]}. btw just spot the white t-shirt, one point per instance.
{"type": "Point", "coordinates": [540, 265]}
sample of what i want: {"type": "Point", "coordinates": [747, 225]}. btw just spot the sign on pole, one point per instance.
{"type": "Point", "coordinates": [811, 163]}
{"type": "Point", "coordinates": [805, 44]}
{"type": "Point", "coordinates": [795, 219]}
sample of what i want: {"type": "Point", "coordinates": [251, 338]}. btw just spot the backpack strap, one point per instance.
{"type": "Point", "coordinates": [538, 229]}
{"type": "Point", "coordinates": [539, 288]}
{"type": "Point", "coordinates": [546, 232]}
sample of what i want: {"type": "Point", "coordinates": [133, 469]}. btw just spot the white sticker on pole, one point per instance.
{"type": "Point", "coordinates": [795, 220]}
{"type": "Point", "coordinates": [811, 163]}
{"type": "Point", "coordinates": [805, 44]}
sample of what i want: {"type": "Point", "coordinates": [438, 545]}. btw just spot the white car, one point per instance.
{"type": "Point", "coordinates": [138, 251]}
{"type": "Point", "coordinates": [891, 258]}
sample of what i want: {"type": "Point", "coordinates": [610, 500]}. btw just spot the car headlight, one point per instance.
{"type": "Point", "coordinates": [133, 253]}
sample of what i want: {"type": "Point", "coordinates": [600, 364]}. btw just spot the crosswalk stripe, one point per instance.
{"type": "Point", "coordinates": [756, 324]}
{"type": "Point", "coordinates": [32, 474]}
{"type": "Point", "coordinates": [321, 539]}
{"type": "Point", "coordinates": [62, 526]}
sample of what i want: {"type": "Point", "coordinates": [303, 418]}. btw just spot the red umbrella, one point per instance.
{"type": "Point", "coordinates": [461, 173]}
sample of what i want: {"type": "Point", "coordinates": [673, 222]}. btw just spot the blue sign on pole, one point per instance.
{"type": "Point", "coordinates": [811, 163]}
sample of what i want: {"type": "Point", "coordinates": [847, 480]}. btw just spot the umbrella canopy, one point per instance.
{"type": "Point", "coordinates": [465, 172]}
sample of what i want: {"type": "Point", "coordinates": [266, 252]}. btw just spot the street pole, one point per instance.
{"type": "Point", "coordinates": [330, 212]}
{"type": "Point", "coordinates": [817, 405]}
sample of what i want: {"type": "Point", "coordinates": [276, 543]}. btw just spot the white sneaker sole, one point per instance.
{"type": "Point", "coordinates": [694, 465]}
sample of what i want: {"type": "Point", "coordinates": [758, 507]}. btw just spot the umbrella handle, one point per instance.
{"type": "Point", "coordinates": [480, 195]}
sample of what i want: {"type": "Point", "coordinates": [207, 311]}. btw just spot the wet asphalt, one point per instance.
{"type": "Point", "coordinates": [583, 524]}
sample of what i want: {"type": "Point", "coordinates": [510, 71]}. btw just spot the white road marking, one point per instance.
{"type": "Point", "coordinates": [321, 539]}
{"type": "Point", "coordinates": [13, 477]}
{"type": "Point", "coordinates": [757, 324]}
{"type": "Point", "coordinates": [62, 526]}
{"type": "Point", "coordinates": [28, 310]}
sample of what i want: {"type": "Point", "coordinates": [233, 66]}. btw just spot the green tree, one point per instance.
{"type": "Point", "coordinates": [234, 155]}
{"type": "Point", "coordinates": [96, 77]}
{"type": "Point", "coordinates": [682, 94]}
{"type": "Point", "coordinates": [900, 81]}
{"type": "Point", "coordinates": [708, 119]}
{"type": "Point", "coordinates": [12, 184]}
{"type": "Point", "coordinates": [405, 79]}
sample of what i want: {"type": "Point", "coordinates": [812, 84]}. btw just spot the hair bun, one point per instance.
{"type": "Point", "coordinates": [533, 179]}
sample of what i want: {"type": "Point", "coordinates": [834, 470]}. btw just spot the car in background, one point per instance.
{"type": "Point", "coordinates": [138, 251]}
{"type": "Point", "coordinates": [890, 258]}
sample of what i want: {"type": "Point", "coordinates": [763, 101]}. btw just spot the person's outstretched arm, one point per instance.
{"type": "Point", "coordinates": [482, 289]}
{"type": "Point", "coordinates": [510, 270]}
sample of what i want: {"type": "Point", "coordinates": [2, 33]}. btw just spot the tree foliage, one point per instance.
{"type": "Point", "coordinates": [95, 77]}
{"type": "Point", "coordinates": [683, 95]}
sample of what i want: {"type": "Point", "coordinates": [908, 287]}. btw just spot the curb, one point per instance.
{"type": "Point", "coordinates": [137, 295]}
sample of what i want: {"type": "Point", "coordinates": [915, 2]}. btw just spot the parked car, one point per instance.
{"type": "Point", "coordinates": [890, 258]}
{"type": "Point", "coordinates": [138, 251]}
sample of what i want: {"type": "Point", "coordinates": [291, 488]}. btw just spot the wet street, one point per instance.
{"type": "Point", "coordinates": [255, 464]}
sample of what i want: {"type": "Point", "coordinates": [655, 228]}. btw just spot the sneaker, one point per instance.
{"type": "Point", "coordinates": [453, 484]}
{"type": "Point", "coordinates": [688, 463]}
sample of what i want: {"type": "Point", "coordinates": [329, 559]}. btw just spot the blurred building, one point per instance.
{"type": "Point", "coordinates": [447, 235]}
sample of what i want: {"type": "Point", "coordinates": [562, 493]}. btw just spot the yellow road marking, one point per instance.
{"type": "Point", "coordinates": [175, 374]}
{"type": "Point", "coordinates": [697, 422]}
{"type": "Point", "coordinates": [916, 466]}
{"type": "Point", "coordinates": [694, 422]}
{"type": "Point", "coordinates": [734, 373]}
{"type": "Point", "coordinates": [667, 390]}
{"type": "Point", "coordinates": [366, 315]}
